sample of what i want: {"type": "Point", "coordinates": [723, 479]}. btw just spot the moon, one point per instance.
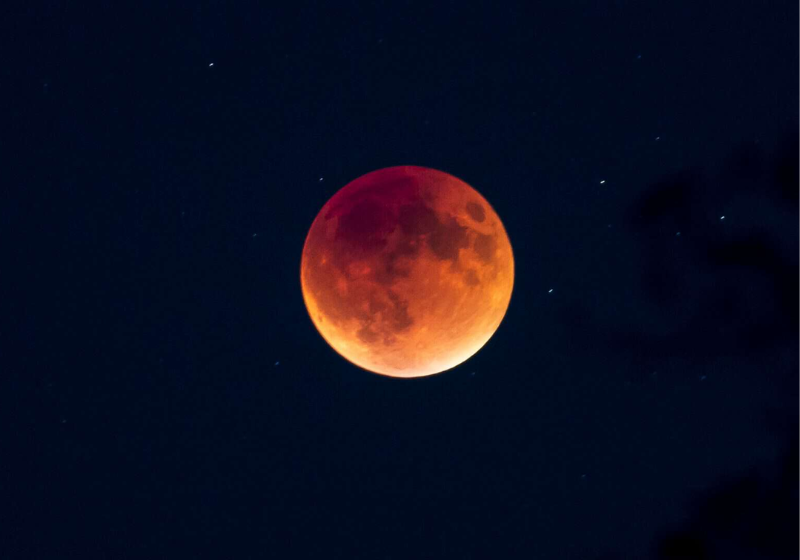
{"type": "Point", "coordinates": [407, 271]}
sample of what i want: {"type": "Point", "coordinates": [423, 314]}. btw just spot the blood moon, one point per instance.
{"type": "Point", "coordinates": [407, 271]}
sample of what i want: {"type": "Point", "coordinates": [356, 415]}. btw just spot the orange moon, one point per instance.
{"type": "Point", "coordinates": [407, 271]}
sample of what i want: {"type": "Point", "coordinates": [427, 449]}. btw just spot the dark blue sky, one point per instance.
{"type": "Point", "coordinates": [170, 397]}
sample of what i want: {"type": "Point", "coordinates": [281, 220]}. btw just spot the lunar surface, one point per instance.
{"type": "Point", "coordinates": [407, 271]}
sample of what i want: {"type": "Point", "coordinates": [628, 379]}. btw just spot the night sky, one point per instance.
{"type": "Point", "coordinates": [169, 397]}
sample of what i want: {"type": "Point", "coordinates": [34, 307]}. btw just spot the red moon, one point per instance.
{"type": "Point", "coordinates": [407, 271]}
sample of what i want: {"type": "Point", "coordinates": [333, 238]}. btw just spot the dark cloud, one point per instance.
{"type": "Point", "coordinates": [753, 516]}
{"type": "Point", "coordinates": [731, 289]}
{"type": "Point", "coordinates": [719, 284]}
